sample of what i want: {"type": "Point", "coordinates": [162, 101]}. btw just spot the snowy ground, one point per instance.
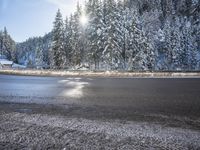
{"type": "Point", "coordinates": [32, 129]}
{"type": "Point", "coordinates": [100, 74]}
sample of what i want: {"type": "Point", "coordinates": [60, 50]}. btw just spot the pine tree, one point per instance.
{"type": "Point", "coordinates": [176, 48]}
{"type": "Point", "coordinates": [95, 31]}
{"type": "Point", "coordinates": [1, 43]}
{"type": "Point", "coordinates": [124, 13]}
{"type": "Point", "coordinates": [197, 41]}
{"type": "Point", "coordinates": [112, 53]}
{"type": "Point", "coordinates": [67, 43]}
{"type": "Point", "coordinates": [172, 47]}
{"type": "Point", "coordinates": [185, 48]}
{"type": "Point", "coordinates": [76, 38]}
{"type": "Point", "coordinates": [168, 49]}
{"type": "Point", "coordinates": [7, 45]}
{"type": "Point", "coordinates": [39, 56]}
{"type": "Point", "coordinates": [140, 53]}
{"type": "Point", "coordinates": [58, 52]}
{"type": "Point", "coordinates": [46, 44]}
{"type": "Point", "coordinates": [192, 48]}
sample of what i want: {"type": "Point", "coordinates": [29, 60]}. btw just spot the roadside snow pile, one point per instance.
{"type": "Point", "coordinates": [87, 73]}
{"type": "Point", "coordinates": [17, 66]}
{"type": "Point", "coordinates": [82, 67]}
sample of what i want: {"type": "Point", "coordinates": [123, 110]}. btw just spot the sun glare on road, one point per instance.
{"type": "Point", "coordinates": [74, 88]}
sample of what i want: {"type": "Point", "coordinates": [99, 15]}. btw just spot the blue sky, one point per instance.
{"type": "Point", "coordinates": [29, 18]}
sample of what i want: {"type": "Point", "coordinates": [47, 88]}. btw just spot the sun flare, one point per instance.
{"type": "Point", "coordinates": [83, 19]}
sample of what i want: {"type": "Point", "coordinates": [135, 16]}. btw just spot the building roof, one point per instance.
{"type": "Point", "coordinates": [5, 62]}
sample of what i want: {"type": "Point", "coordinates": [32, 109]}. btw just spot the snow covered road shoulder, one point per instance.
{"type": "Point", "coordinates": [58, 132]}
{"type": "Point", "coordinates": [102, 74]}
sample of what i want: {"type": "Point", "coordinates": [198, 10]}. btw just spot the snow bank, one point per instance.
{"type": "Point", "coordinates": [17, 66]}
{"type": "Point", "coordinates": [101, 74]}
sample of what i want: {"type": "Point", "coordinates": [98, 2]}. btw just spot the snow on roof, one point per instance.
{"type": "Point", "coordinates": [5, 62]}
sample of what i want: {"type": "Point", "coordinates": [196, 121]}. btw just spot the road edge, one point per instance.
{"type": "Point", "coordinates": [114, 74]}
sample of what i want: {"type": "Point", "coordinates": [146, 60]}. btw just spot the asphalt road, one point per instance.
{"type": "Point", "coordinates": [149, 95]}
{"type": "Point", "coordinates": [99, 113]}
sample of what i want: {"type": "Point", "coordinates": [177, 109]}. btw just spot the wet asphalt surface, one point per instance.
{"type": "Point", "coordinates": [53, 113]}
{"type": "Point", "coordinates": [157, 96]}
